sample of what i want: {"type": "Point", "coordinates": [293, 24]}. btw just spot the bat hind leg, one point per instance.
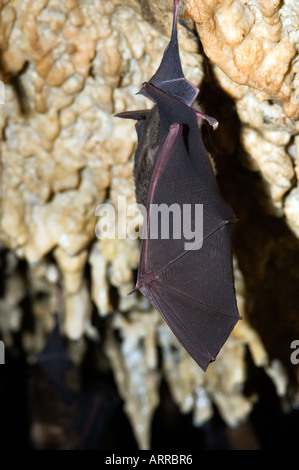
{"type": "Point", "coordinates": [212, 121]}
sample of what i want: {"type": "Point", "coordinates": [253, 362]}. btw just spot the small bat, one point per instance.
{"type": "Point", "coordinates": [79, 410]}
{"type": "Point", "coordinates": [192, 288]}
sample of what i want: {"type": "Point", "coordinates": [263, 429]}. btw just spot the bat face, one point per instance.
{"type": "Point", "coordinates": [190, 284]}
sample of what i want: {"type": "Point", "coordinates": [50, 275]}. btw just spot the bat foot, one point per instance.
{"type": "Point", "coordinates": [132, 291]}
{"type": "Point", "coordinates": [212, 121]}
{"type": "Point", "coordinates": [146, 279]}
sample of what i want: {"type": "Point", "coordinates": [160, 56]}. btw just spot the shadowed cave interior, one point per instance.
{"type": "Point", "coordinates": [77, 404]}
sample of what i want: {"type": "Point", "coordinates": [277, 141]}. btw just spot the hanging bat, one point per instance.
{"type": "Point", "coordinates": [190, 284]}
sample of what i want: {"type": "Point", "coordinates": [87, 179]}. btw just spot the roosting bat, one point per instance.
{"type": "Point", "coordinates": [191, 285]}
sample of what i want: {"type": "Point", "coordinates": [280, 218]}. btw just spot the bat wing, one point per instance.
{"type": "Point", "coordinates": [139, 115]}
{"type": "Point", "coordinates": [54, 359]}
{"type": "Point", "coordinates": [193, 289]}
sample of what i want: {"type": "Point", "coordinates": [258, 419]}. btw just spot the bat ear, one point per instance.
{"type": "Point", "coordinates": [169, 76]}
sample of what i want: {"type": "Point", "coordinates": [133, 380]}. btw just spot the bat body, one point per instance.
{"type": "Point", "coordinates": [146, 153]}
{"type": "Point", "coordinates": [190, 284]}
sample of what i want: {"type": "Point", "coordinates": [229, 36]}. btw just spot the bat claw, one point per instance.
{"type": "Point", "coordinates": [212, 121]}
{"type": "Point", "coordinates": [143, 87]}
{"type": "Point", "coordinates": [137, 287]}
{"type": "Point", "coordinates": [132, 291]}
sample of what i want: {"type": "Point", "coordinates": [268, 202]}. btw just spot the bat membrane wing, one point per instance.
{"type": "Point", "coordinates": [201, 313]}
{"type": "Point", "coordinates": [193, 289]}
{"type": "Point", "coordinates": [181, 88]}
{"type": "Point", "coordinates": [54, 359]}
{"type": "Point", "coordinates": [181, 178]}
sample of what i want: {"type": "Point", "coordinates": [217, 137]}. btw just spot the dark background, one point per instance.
{"type": "Point", "coordinates": [92, 416]}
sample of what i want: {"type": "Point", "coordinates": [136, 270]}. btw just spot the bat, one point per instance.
{"type": "Point", "coordinates": [79, 409]}
{"type": "Point", "coordinates": [190, 284]}
{"type": "Point", "coordinates": [54, 359]}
